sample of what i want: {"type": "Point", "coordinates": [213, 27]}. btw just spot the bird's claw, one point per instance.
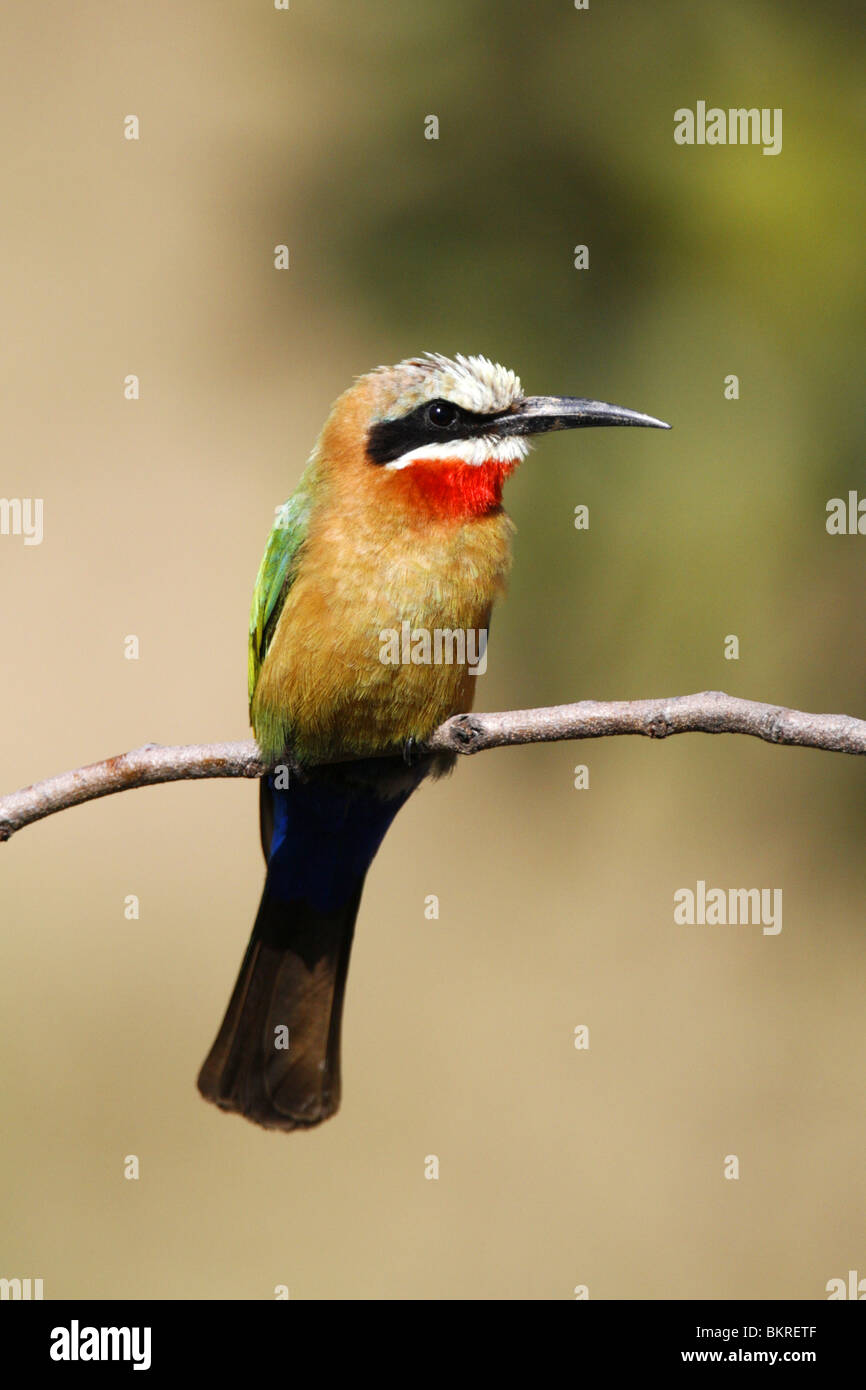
{"type": "Point", "coordinates": [412, 751]}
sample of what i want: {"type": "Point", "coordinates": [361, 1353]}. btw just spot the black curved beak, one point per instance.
{"type": "Point", "coordinates": [538, 414]}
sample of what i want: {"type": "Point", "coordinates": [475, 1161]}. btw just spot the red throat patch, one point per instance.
{"type": "Point", "coordinates": [450, 488]}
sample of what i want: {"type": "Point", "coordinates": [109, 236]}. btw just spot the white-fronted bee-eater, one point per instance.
{"type": "Point", "coordinates": [396, 527]}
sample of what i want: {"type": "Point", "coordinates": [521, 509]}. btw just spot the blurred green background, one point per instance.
{"type": "Point", "coordinates": [306, 127]}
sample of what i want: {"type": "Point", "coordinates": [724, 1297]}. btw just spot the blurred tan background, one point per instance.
{"type": "Point", "coordinates": [558, 1167]}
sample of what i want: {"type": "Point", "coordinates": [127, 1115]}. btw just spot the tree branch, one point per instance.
{"type": "Point", "coordinates": [710, 712]}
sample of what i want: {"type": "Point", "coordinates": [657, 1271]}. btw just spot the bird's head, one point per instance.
{"type": "Point", "coordinates": [441, 434]}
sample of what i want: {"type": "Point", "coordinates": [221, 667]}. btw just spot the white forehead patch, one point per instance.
{"type": "Point", "coordinates": [475, 383]}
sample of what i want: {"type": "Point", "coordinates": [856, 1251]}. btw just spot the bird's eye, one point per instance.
{"type": "Point", "coordinates": [442, 414]}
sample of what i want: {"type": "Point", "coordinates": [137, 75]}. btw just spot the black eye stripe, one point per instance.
{"type": "Point", "coordinates": [390, 439]}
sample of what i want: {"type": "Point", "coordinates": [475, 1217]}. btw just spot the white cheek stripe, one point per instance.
{"type": "Point", "coordinates": [471, 451]}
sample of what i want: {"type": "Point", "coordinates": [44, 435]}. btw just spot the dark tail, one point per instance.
{"type": "Point", "coordinates": [276, 1058]}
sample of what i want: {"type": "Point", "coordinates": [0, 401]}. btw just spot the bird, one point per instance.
{"type": "Point", "coordinates": [396, 527]}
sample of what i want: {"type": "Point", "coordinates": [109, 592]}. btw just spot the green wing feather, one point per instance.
{"type": "Point", "coordinates": [276, 574]}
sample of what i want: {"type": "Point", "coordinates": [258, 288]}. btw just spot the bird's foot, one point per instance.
{"type": "Point", "coordinates": [413, 752]}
